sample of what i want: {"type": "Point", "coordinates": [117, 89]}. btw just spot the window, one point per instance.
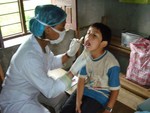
{"type": "Point", "coordinates": [14, 17]}
{"type": "Point", "coordinates": [69, 6]}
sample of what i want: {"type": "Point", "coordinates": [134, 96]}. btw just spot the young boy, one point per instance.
{"type": "Point", "coordinates": [98, 84]}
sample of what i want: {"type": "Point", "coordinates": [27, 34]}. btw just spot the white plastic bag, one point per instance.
{"type": "Point", "coordinates": [139, 65]}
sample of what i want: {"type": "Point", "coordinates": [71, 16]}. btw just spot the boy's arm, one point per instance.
{"type": "Point", "coordinates": [80, 89]}
{"type": "Point", "coordinates": [114, 84]}
{"type": "Point", "coordinates": [111, 102]}
{"type": "Point", "coordinates": [79, 63]}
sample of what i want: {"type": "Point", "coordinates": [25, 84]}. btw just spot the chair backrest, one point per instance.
{"type": "Point", "coordinates": [1, 76]}
{"type": "Point", "coordinates": [1, 73]}
{"type": "Point", "coordinates": [5, 57]}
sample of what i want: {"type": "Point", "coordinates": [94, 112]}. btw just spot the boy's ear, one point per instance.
{"type": "Point", "coordinates": [104, 43]}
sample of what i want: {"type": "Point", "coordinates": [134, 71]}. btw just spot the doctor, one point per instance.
{"type": "Point", "coordinates": [27, 76]}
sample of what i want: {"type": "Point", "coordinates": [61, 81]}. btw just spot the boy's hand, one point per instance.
{"type": "Point", "coordinates": [78, 105]}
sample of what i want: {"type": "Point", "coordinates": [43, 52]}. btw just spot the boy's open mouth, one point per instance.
{"type": "Point", "coordinates": [87, 44]}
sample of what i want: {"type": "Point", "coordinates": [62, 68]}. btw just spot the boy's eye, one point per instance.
{"type": "Point", "coordinates": [94, 35]}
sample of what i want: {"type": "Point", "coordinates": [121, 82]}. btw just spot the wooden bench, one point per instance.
{"type": "Point", "coordinates": [132, 94]}
{"type": "Point", "coordinates": [135, 88]}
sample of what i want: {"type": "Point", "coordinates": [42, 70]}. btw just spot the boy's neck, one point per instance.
{"type": "Point", "coordinates": [95, 55]}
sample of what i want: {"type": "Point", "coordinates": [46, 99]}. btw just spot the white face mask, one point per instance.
{"type": "Point", "coordinates": [61, 34]}
{"type": "Point", "coordinates": [60, 38]}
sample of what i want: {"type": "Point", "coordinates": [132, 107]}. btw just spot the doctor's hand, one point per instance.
{"type": "Point", "coordinates": [74, 47]}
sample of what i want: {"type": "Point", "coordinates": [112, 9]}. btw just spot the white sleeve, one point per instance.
{"type": "Point", "coordinates": [36, 75]}
{"type": "Point", "coordinates": [55, 61]}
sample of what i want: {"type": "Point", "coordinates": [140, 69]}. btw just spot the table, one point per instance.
{"type": "Point", "coordinates": [56, 73]}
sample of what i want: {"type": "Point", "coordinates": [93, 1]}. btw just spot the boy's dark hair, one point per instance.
{"type": "Point", "coordinates": [105, 30]}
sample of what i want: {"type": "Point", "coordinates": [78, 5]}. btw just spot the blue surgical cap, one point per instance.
{"type": "Point", "coordinates": [48, 14]}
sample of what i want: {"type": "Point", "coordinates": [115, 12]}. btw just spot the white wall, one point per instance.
{"type": "Point", "coordinates": [132, 17]}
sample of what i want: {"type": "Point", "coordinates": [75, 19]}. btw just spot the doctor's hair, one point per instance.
{"type": "Point", "coordinates": [105, 31]}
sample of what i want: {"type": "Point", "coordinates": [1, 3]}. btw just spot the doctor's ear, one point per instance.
{"type": "Point", "coordinates": [48, 29]}
{"type": "Point", "coordinates": [50, 32]}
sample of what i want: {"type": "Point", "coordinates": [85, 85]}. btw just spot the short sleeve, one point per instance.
{"type": "Point", "coordinates": [113, 76]}
{"type": "Point", "coordinates": [83, 72]}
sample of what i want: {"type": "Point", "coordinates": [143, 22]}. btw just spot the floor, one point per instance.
{"type": "Point", "coordinates": [121, 108]}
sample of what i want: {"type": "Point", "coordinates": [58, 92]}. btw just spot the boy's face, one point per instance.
{"type": "Point", "coordinates": [93, 40]}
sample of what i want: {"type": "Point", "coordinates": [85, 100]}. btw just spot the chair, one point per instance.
{"type": "Point", "coordinates": [1, 76]}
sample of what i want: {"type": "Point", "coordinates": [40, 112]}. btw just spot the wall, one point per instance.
{"type": "Point", "coordinates": [89, 11]}
{"type": "Point", "coordinates": [132, 17]}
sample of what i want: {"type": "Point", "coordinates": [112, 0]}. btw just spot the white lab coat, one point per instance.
{"type": "Point", "coordinates": [27, 76]}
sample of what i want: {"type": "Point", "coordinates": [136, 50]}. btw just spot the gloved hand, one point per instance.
{"type": "Point", "coordinates": [80, 62]}
{"type": "Point", "coordinates": [74, 46]}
